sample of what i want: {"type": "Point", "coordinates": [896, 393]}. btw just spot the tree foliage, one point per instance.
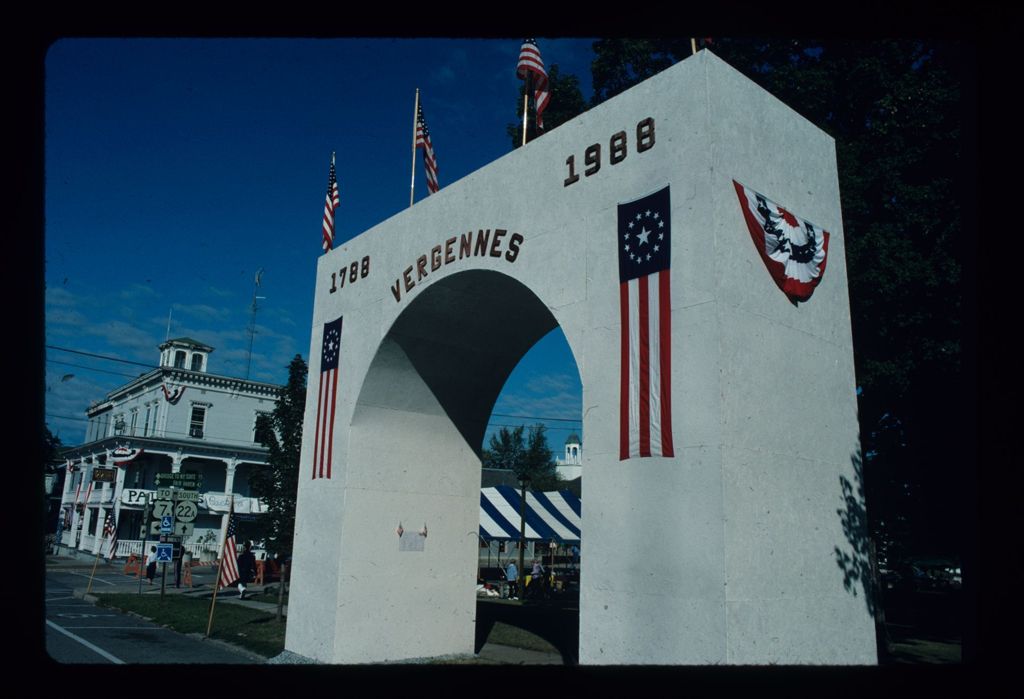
{"type": "Point", "coordinates": [566, 103]}
{"type": "Point", "coordinates": [897, 114]}
{"type": "Point", "coordinates": [277, 484]}
{"type": "Point", "coordinates": [531, 457]}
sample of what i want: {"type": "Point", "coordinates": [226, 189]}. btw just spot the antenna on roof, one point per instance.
{"type": "Point", "coordinates": [252, 320]}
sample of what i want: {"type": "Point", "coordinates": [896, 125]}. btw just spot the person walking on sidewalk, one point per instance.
{"type": "Point", "coordinates": [246, 569]}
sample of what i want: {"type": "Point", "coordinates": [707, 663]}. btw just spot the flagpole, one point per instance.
{"type": "Point", "coordinates": [88, 588]}
{"type": "Point", "coordinates": [415, 121]}
{"type": "Point", "coordinates": [693, 45]}
{"type": "Point", "coordinates": [526, 108]}
{"type": "Point", "coordinates": [220, 563]}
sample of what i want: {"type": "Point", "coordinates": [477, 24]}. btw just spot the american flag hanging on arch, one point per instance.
{"type": "Point", "coordinates": [423, 141]}
{"type": "Point", "coordinates": [645, 399]}
{"type": "Point", "coordinates": [229, 561]}
{"type": "Point", "coordinates": [330, 206]}
{"type": "Point", "coordinates": [110, 533]}
{"type": "Point", "coordinates": [531, 64]}
{"type": "Point", "coordinates": [327, 396]}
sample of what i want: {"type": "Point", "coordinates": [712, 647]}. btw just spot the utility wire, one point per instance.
{"type": "Point", "coordinates": [102, 356]}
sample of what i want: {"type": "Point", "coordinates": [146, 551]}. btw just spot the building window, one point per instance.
{"type": "Point", "coordinates": [119, 425]}
{"type": "Point", "coordinates": [145, 425]}
{"type": "Point", "coordinates": [196, 422]}
{"type": "Point", "coordinates": [179, 359]}
{"type": "Point", "coordinates": [197, 362]}
{"type": "Point", "coordinates": [262, 427]}
{"type": "Point", "coordinates": [135, 419]}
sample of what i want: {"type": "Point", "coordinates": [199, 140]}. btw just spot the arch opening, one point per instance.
{"type": "Point", "coordinates": [414, 463]}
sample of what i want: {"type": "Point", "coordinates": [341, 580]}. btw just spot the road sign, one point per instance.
{"type": "Point", "coordinates": [164, 494]}
{"type": "Point", "coordinates": [190, 480]}
{"type": "Point", "coordinates": [154, 527]}
{"type": "Point", "coordinates": [166, 524]}
{"type": "Point", "coordinates": [185, 511]}
{"type": "Point", "coordinates": [163, 508]}
{"type": "Point", "coordinates": [184, 528]}
{"type": "Point", "coordinates": [164, 553]}
{"type": "Point", "coordinates": [170, 539]}
{"type": "Point", "coordinates": [190, 495]}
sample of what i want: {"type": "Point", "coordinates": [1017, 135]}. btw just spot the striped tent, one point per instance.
{"type": "Point", "coordinates": [550, 516]}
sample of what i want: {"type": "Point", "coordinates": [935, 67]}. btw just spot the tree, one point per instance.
{"type": "Point", "coordinates": [532, 459]}
{"type": "Point", "coordinates": [896, 111]}
{"type": "Point", "coordinates": [566, 103]}
{"type": "Point", "coordinates": [277, 484]}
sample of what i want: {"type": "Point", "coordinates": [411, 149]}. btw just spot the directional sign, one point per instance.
{"type": "Point", "coordinates": [187, 495]}
{"type": "Point", "coordinates": [184, 528]}
{"type": "Point", "coordinates": [163, 508]}
{"type": "Point", "coordinates": [190, 480]}
{"type": "Point", "coordinates": [166, 524]}
{"type": "Point", "coordinates": [185, 511]}
{"type": "Point", "coordinates": [164, 494]}
{"type": "Point", "coordinates": [164, 553]}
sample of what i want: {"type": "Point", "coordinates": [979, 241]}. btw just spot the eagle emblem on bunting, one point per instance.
{"type": "Point", "coordinates": [794, 250]}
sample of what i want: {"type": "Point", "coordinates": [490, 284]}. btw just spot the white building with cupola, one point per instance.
{"type": "Point", "coordinates": [176, 418]}
{"type": "Point", "coordinates": [570, 466]}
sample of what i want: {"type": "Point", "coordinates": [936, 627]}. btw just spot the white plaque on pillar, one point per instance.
{"type": "Point", "coordinates": [411, 541]}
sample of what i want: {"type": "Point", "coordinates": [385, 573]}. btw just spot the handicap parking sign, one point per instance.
{"type": "Point", "coordinates": [166, 524]}
{"type": "Point", "coordinates": [164, 553]}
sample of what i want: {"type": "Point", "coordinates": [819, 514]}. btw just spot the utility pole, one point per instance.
{"type": "Point", "coordinates": [252, 321]}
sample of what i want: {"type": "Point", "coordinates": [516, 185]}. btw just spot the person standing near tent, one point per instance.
{"type": "Point", "coordinates": [512, 575]}
{"type": "Point", "coordinates": [536, 586]}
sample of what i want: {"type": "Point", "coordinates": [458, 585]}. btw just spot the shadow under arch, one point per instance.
{"type": "Point", "coordinates": [460, 338]}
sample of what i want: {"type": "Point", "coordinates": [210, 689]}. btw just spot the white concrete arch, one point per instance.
{"type": "Point", "coordinates": [711, 535]}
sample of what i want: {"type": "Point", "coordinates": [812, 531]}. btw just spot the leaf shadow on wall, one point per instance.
{"type": "Point", "coordinates": [856, 562]}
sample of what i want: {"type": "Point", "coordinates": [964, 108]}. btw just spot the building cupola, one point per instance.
{"type": "Point", "coordinates": [184, 353]}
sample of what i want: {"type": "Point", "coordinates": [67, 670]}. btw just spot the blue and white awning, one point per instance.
{"type": "Point", "coordinates": [551, 516]}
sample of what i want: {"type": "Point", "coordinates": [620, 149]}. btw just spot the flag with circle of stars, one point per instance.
{"type": "Point", "coordinates": [644, 235]}
{"type": "Point", "coordinates": [326, 399]}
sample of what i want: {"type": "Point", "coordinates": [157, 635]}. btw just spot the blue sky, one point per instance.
{"type": "Point", "coordinates": [175, 169]}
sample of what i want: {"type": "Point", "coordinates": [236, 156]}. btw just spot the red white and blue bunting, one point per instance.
{"type": "Point", "coordinates": [174, 396]}
{"type": "Point", "coordinates": [122, 456]}
{"type": "Point", "coordinates": [794, 250]}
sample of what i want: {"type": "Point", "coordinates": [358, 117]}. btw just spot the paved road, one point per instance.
{"type": "Point", "coordinates": [78, 631]}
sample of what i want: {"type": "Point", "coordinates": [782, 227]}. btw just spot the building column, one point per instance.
{"type": "Point", "coordinates": [229, 488]}
{"type": "Point", "coordinates": [101, 515]}
{"type": "Point", "coordinates": [176, 460]}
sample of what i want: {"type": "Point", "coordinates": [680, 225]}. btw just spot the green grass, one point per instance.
{"type": "Point", "coordinates": [506, 635]}
{"type": "Point", "coordinates": [250, 628]}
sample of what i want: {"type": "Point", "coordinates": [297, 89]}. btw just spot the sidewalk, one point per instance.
{"type": "Point", "coordinates": [110, 578]}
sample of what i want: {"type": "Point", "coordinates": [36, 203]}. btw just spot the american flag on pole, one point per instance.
{"type": "Point", "coordinates": [110, 533]}
{"type": "Point", "coordinates": [229, 561]}
{"type": "Point", "coordinates": [333, 200]}
{"type": "Point", "coordinates": [645, 399]}
{"type": "Point", "coordinates": [423, 141]}
{"type": "Point", "coordinates": [326, 398]}
{"type": "Point", "coordinates": [530, 63]}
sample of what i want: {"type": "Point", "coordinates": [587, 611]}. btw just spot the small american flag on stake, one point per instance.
{"type": "Point", "coordinates": [530, 63]}
{"type": "Point", "coordinates": [330, 206]}
{"type": "Point", "coordinates": [327, 396]}
{"type": "Point", "coordinates": [229, 561]}
{"type": "Point", "coordinates": [110, 533]}
{"type": "Point", "coordinates": [423, 141]}
{"type": "Point", "coordinates": [645, 399]}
